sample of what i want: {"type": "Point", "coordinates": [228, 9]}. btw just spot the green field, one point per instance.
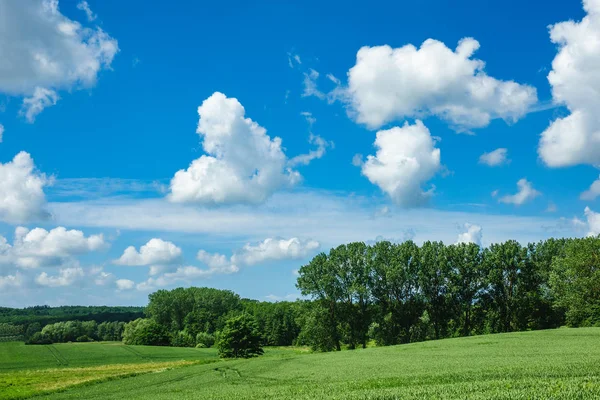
{"type": "Point", "coordinates": [554, 364]}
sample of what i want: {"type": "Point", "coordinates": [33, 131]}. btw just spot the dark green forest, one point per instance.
{"type": "Point", "coordinates": [384, 294]}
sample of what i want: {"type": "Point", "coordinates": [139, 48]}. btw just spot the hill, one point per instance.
{"type": "Point", "coordinates": [562, 363]}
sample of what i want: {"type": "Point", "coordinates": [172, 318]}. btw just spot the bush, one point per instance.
{"type": "Point", "coordinates": [201, 346]}
{"type": "Point", "coordinates": [146, 332]}
{"type": "Point", "coordinates": [38, 338]}
{"type": "Point", "coordinates": [182, 339]}
{"type": "Point", "coordinates": [83, 338]}
{"type": "Point", "coordinates": [205, 339]}
{"type": "Point", "coordinates": [240, 338]}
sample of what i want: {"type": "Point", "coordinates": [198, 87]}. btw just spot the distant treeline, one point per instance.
{"type": "Point", "coordinates": [21, 323]}
{"type": "Point", "coordinates": [399, 293]}
{"type": "Point", "coordinates": [387, 293]}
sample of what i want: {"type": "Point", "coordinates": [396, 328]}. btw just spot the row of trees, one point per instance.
{"type": "Point", "coordinates": [399, 293]}
{"type": "Point", "coordinates": [75, 331]}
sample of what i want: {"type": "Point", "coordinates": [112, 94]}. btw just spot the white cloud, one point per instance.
{"type": "Point", "coordinates": [65, 277]}
{"type": "Point", "coordinates": [85, 7]}
{"type": "Point", "coordinates": [575, 139]}
{"type": "Point", "coordinates": [11, 281]}
{"type": "Point", "coordinates": [41, 248]}
{"type": "Point", "coordinates": [22, 196]}
{"type": "Point", "coordinates": [525, 193]}
{"type": "Point", "coordinates": [357, 160]}
{"type": "Point", "coordinates": [495, 193]}
{"type": "Point", "coordinates": [156, 251]}
{"type": "Point", "coordinates": [275, 249]}
{"type": "Point", "coordinates": [310, 85]}
{"type": "Point", "coordinates": [388, 84]}
{"type": "Point", "coordinates": [244, 164]}
{"type": "Point", "coordinates": [305, 159]}
{"type": "Point", "coordinates": [287, 297]}
{"type": "Point", "coordinates": [473, 234]}
{"type": "Point", "coordinates": [551, 207]}
{"type": "Point", "coordinates": [217, 263]}
{"type": "Point", "coordinates": [495, 158]}
{"type": "Point", "coordinates": [592, 192]}
{"type": "Point", "coordinates": [45, 52]}
{"type": "Point", "coordinates": [593, 222]}
{"type": "Point", "coordinates": [1, 132]}
{"type": "Point", "coordinates": [406, 158]}
{"type": "Point", "coordinates": [124, 284]}
{"type": "Point", "coordinates": [35, 104]}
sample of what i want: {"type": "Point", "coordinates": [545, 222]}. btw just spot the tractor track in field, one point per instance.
{"type": "Point", "coordinates": [136, 353]}
{"type": "Point", "coordinates": [60, 359]}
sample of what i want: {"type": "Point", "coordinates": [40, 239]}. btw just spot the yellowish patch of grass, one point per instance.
{"type": "Point", "coordinates": [22, 384]}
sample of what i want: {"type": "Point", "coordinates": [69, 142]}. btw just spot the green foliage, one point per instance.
{"type": "Point", "coordinates": [205, 340]}
{"type": "Point", "coordinates": [146, 332]}
{"type": "Point", "coordinates": [575, 282]}
{"type": "Point", "coordinates": [240, 338]}
{"type": "Point", "coordinates": [38, 338]}
{"type": "Point", "coordinates": [45, 315]}
{"type": "Point", "coordinates": [182, 339]}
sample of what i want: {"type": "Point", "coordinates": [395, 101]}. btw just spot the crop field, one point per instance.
{"type": "Point", "coordinates": [28, 370]}
{"type": "Point", "coordinates": [554, 364]}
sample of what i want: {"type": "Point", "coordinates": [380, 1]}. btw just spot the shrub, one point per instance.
{"type": "Point", "coordinates": [83, 338]}
{"type": "Point", "coordinates": [38, 338]}
{"type": "Point", "coordinates": [240, 338]}
{"type": "Point", "coordinates": [205, 339]}
{"type": "Point", "coordinates": [182, 339]}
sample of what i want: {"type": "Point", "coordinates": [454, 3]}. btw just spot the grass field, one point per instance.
{"type": "Point", "coordinates": [557, 364]}
{"type": "Point", "coordinates": [28, 370]}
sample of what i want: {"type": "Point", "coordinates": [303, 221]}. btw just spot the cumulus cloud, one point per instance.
{"type": "Point", "coordinates": [156, 251]}
{"type": "Point", "coordinates": [592, 192]}
{"type": "Point", "coordinates": [495, 158]}
{"type": "Point", "coordinates": [525, 193]}
{"type": "Point", "coordinates": [124, 284]}
{"type": "Point", "coordinates": [388, 84]}
{"type": "Point", "coordinates": [406, 158]}
{"type": "Point", "coordinates": [275, 249]}
{"type": "Point", "coordinates": [472, 234]}
{"type": "Point", "coordinates": [593, 222]}
{"type": "Point", "coordinates": [41, 248]}
{"type": "Point", "coordinates": [243, 165]}
{"type": "Point", "coordinates": [45, 52]}
{"type": "Point", "coordinates": [11, 281]}
{"type": "Point", "coordinates": [22, 196]}
{"type": "Point", "coordinates": [217, 263]}
{"type": "Point", "coordinates": [65, 277]}
{"type": "Point", "coordinates": [575, 139]}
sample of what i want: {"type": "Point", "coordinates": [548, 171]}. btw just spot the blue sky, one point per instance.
{"type": "Point", "coordinates": [388, 142]}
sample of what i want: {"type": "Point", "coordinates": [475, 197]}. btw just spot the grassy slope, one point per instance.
{"type": "Point", "coordinates": [18, 356]}
{"type": "Point", "coordinates": [27, 370]}
{"type": "Point", "coordinates": [563, 364]}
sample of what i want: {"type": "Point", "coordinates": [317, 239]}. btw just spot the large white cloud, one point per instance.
{"type": "Point", "coordinates": [22, 190]}
{"type": "Point", "coordinates": [525, 193]}
{"type": "Point", "coordinates": [406, 158]}
{"type": "Point", "coordinates": [575, 81]}
{"type": "Point", "coordinates": [274, 249]}
{"type": "Point", "coordinates": [41, 248]}
{"type": "Point", "coordinates": [473, 234]}
{"type": "Point", "coordinates": [388, 84]}
{"type": "Point", "coordinates": [43, 52]}
{"type": "Point", "coordinates": [156, 251]}
{"type": "Point", "coordinates": [243, 164]}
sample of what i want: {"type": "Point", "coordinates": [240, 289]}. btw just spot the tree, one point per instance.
{"type": "Point", "coordinates": [319, 279]}
{"type": "Point", "coordinates": [146, 332]}
{"type": "Point", "coordinates": [575, 282]}
{"type": "Point", "coordinates": [240, 338]}
{"type": "Point", "coordinates": [433, 281]}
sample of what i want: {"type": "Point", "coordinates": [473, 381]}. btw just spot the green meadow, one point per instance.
{"type": "Point", "coordinates": [553, 364]}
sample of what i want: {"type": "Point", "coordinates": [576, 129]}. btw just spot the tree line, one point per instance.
{"type": "Point", "coordinates": [387, 293]}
